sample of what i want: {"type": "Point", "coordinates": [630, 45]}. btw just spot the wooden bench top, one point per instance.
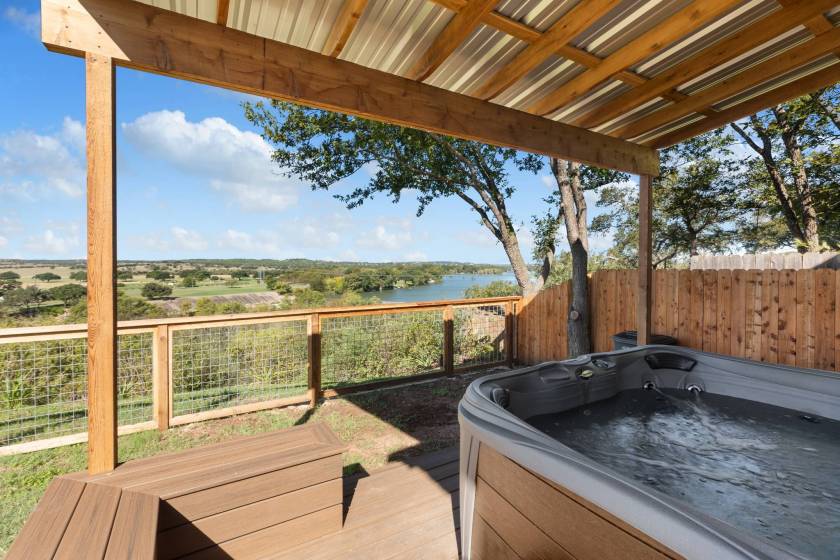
{"type": "Point", "coordinates": [115, 515]}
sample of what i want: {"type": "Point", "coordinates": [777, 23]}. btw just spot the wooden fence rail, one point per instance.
{"type": "Point", "coordinates": [188, 369]}
{"type": "Point", "coordinates": [777, 316]}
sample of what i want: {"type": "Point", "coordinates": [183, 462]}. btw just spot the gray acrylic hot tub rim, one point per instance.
{"type": "Point", "coordinates": [673, 523]}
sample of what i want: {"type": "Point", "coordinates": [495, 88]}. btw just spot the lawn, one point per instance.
{"type": "Point", "coordinates": [379, 426]}
{"type": "Point", "coordinates": [204, 289]}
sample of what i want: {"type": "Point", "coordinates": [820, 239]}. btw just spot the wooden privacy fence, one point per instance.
{"type": "Point", "coordinates": [777, 316]}
{"type": "Point", "coordinates": [180, 370]}
{"type": "Point", "coordinates": [790, 260]}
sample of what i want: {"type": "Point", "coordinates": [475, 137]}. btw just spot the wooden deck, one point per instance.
{"type": "Point", "coordinates": [276, 495]}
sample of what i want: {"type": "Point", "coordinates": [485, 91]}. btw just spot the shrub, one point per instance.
{"type": "Point", "coordinates": [153, 290]}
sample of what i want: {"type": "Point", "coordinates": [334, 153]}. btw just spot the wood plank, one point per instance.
{"type": "Point", "coordinates": [739, 314]}
{"type": "Point", "coordinates": [261, 544]}
{"type": "Point", "coordinates": [135, 528]}
{"type": "Point", "coordinates": [238, 494]}
{"type": "Point", "coordinates": [688, 19]}
{"type": "Point", "coordinates": [313, 353]}
{"type": "Point", "coordinates": [585, 533]}
{"type": "Point", "coordinates": [763, 29]}
{"type": "Point", "coordinates": [783, 62]}
{"type": "Point", "coordinates": [608, 295]}
{"type": "Point", "coordinates": [100, 112]}
{"type": "Point", "coordinates": [222, 11]}
{"type": "Point", "coordinates": [684, 306]}
{"type": "Point", "coordinates": [461, 26]}
{"type": "Point", "coordinates": [695, 320]}
{"type": "Point", "coordinates": [710, 313]}
{"type": "Point", "coordinates": [134, 34]}
{"type": "Point", "coordinates": [238, 521]}
{"type": "Point", "coordinates": [837, 322]}
{"type": "Point", "coordinates": [90, 527]}
{"type": "Point", "coordinates": [787, 317]}
{"type": "Point", "coordinates": [42, 532]}
{"type": "Point", "coordinates": [643, 313]}
{"type": "Point", "coordinates": [752, 334]}
{"type": "Point", "coordinates": [342, 28]}
{"type": "Point", "coordinates": [825, 309]}
{"type": "Point", "coordinates": [805, 319]}
{"type": "Point", "coordinates": [724, 317]}
{"type": "Point", "coordinates": [524, 538]}
{"type": "Point", "coordinates": [569, 26]}
{"type": "Point", "coordinates": [488, 545]}
{"type": "Point", "coordinates": [660, 303]}
{"type": "Point", "coordinates": [770, 316]}
{"type": "Point", "coordinates": [161, 377]}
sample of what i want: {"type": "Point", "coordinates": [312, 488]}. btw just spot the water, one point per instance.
{"type": "Point", "coordinates": [452, 286]}
{"type": "Point", "coordinates": [771, 471]}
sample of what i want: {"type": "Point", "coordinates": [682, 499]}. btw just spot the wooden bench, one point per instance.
{"type": "Point", "coordinates": [238, 499]}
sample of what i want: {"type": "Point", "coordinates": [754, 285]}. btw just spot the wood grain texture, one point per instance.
{"type": "Point", "coordinates": [89, 529]}
{"type": "Point", "coordinates": [313, 337]}
{"type": "Point", "coordinates": [100, 107]}
{"type": "Point", "coordinates": [134, 34]}
{"type": "Point", "coordinates": [342, 28]}
{"type": "Point", "coordinates": [644, 297]}
{"type": "Point", "coordinates": [135, 528]}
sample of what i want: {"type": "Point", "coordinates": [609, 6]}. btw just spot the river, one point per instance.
{"type": "Point", "coordinates": [452, 286]}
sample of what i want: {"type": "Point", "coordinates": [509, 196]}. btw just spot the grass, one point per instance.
{"type": "Point", "coordinates": [204, 289]}
{"type": "Point", "coordinates": [379, 426]}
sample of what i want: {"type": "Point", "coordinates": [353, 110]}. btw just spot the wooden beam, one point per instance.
{"type": "Point", "coordinates": [812, 82]}
{"type": "Point", "coordinates": [101, 263]}
{"type": "Point", "coordinates": [762, 30]}
{"type": "Point", "coordinates": [343, 27]}
{"type": "Point", "coordinates": [456, 31]}
{"type": "Point", "coordinates": [687, 20]}
{"type": "Point", "coordinates": [569, 26]}
{"type": "Point", "coordinates": [644, 312]}
{"type": "Point", "coordinates": [448, 339]}
{"type": "Point", "coordinates": [778, 65]}
{"type": "Point", "coordinates": [146, 38]}
{"type": "Point", "coordinates": [222, 11]}
{"type": "Point", "coordinates": [314, 354]}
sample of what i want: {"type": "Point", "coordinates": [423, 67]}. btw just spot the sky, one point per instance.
{"type": "Point", "coordinates": [194, 178]}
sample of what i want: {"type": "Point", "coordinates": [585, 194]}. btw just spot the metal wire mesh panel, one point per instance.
{"type": "Point", "coordinates": [44, 386]}
{"type": "Point", "coordinates": [479, 335]}
{"type": "Point", "coordinates": [220, 367]}
{"type": "Point", "coordinates": [364, 348]}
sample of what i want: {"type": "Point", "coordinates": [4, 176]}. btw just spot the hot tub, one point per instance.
{"type": "Point", "coordinates": [651, 452]}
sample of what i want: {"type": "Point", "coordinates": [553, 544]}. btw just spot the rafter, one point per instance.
{"type": "Point", "coordinates": [765, 29]}
{"type": "Point", "coordinates": [222, 11]}
{"type": "Point", "coordinates": [453, 35]}
{"type": "Point", "coordinates": [820, 79]}
{"type": "Point", "coordinates": [778, 65]}
{"type": "Point", "coordinates": [343, 27]}
{"type": "Point", "coordinates": [687, 20]}
{"type": "Point", "coordinates": [569, 26]}
{"type": "Point", "coordinates": [135, 35]}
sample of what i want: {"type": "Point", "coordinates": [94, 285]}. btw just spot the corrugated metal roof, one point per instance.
{"type": "Point", "coordinates": [391, 35]}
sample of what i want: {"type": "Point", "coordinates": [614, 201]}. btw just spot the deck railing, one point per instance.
{"type": "Point", "coordinates": [175, 371]}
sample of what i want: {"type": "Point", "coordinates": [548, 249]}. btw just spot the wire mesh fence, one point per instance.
{"type": "Point", "coordinates": [479, 335]}
{"type": "Point", "coordinates": [365, 348]}
{"type": "Point", "coordinates": [44, 386]}
{"type": "Point", "coordinates": [220, 367]}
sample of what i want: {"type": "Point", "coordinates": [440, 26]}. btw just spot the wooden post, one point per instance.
{"type": "Point", "coordinates": [509, 334]}
{"type": "Point", "coordinates": [161, 377]}
{"type": "Point", "coordinates": [314, 337]}
{"type": "Point", "coordinates": [101, 263]}
{"type": "Point", "coordinates": [644, 312]}
{"type": "Point", "coordinates": [448, 339]}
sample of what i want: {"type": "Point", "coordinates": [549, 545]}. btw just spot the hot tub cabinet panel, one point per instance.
{"type": "Point", "coordinates": [535, 518]}
{"type": "Point", "coordinates": [524, 494]}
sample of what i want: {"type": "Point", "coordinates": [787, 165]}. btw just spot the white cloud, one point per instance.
{"type": "Point", "coordinates": [235, 162]}
{"type": "Point", "coordinates": [3, 241]}
{"type": "Point", "coordinates": [388, 235]}
{"type": "Point", "coordinates": [10, 225]}
{"type": "Point", "coordinates": [59, 239]}
{"type": "Point", "coordinates": [28, 21]}
{"type": "Point", "coordinates": [188, 240]}
{"type": "Point", "coordinates": [477, 237]}
{"type": "Point", "coordinates": [416, 256]}
{"type": "Point", "coordinates": [263, 243]}
{"type": "Point", "coordinates": [33, 166]}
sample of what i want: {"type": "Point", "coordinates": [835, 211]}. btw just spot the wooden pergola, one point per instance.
{"type": "Point", "coordinates": [602, 82]}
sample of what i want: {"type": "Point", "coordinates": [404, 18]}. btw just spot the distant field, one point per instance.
{"type": "Point", "coordinates": [27, 273]}
{"type": "Point", "coordinates": [204, 289]}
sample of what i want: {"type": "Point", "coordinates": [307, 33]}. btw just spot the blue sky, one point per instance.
{"type": "Point", "coordinates": [194, 178]}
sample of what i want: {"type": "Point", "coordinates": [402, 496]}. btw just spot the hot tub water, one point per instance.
{"type": "Point", "coordinates": [769, 470]}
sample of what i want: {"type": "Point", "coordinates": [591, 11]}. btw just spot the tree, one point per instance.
{"type": "Point", "coordinates": [157, 274]}
{"type": "Point", "coordinates": [792, 187]}
{"type": "Point", "coordinates": [9, 275]}
{"type": "Point", "coordinates": [47, 276]}
{"type": "Point", "coordinates": [69, 294]}
{"type": "Point", "coordinates": [567, 206]}
{"type": "Point", "coordinates": [309, 298]}
{"type": "Point", "coordinates": [695, 204]}
{"type": "Point", "coordinates": [8, 285]}
{"type": "Point", "coordinates": [121, 275]}
{"type": "Point", "coordinates": [153, 290]}
{"type": "Point", "coordinates": [24, 299]}
{"type": "Point", "coordinates": [323, 148]}
{"type": "Point", "coordinates": [240, 274]}
{"type": "Point", "coordinates": [80, 275]}
{"type": "Point", "coordinates": [497, 288]}
{"type": "Point", "coordinates": [189, 282]}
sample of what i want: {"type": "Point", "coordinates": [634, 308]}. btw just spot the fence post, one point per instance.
{"type": "Point", "coordinates": [509, 333]}
{"type": "Point", "coordinates": [448, 339]}
{"type": "Point", "coordinates": [314, 350]}
{"type": "Point", "coordinates": [161, 377]}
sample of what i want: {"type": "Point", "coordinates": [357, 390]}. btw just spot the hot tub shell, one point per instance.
{"type": "Point", "coordinates": [577, 486]}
